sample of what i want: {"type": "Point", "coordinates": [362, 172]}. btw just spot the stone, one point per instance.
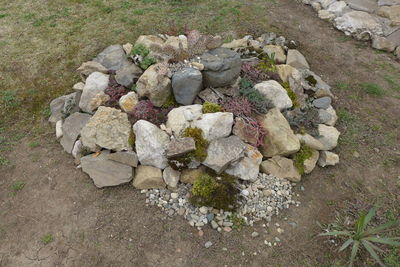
{"type": "Point", "coordinates": [359, 24]}
{"type": "Point", "coordinates": [113, 58]}
{"type": "Point", "coordinates": [316, 6]}
{"type": "Point", "coordinates": [281, 167]}
{"type": "Point", "coordinates": [397, 52]}
{"type": "Point", "coordinates": [285, 71]}
{"type": "Point", "coordinates": [186, 84]}
{"type": "Point", "coordinates": [388, 2]}
{"type": "Point", "coordinates": [178, 43]}
{"type": "Point", "coordinates": [326, 15]}
{"type": "Point", "coordinates": [128, 102]}
{"type": "Point", "coordinates": [155, 84]}
{"type": "Point", "coordinates": [327, 116]}
{"type": "Point", "coordinates": [214, 42]}
{"type": "Point", "coordinates": [310, 141]}
{"type": "Point", "coordinates": [77, 149]}
{"type": "Point", "coordinates": [180, 146]}
{"type": "Point", "coordinates": [89, 67]}
{"type": "Point", "coordinates": [221, 67]}
{"type": "Point", "coordinates": [309, 164]}
{"type": "Point", "coordinates": [108, 128]}
{"type": "Point", "coordinates": [96, 83]}
{"type": "Point", "coordinates": [392, 13]}
{"type": "Point", "coordinates": [215, 125]}
{"type": "Point", "coordinates": [125, 157]}
{"type": "Point", "coordinates": [208, 244]}
{"type": "Point", "coordinates": [105, 172]}
{"type": "Point", "coordinates": [127, 48]}
{"type": "Point", "coordinates": [178, 117]}
{"type": "Point", "coordinates": [148, 177]}
{"type": "Point", "coordinates": [325, 3]}
{"type": "Point", "coordinates": [171, 177]}
{"type": "Point", "coordinates": [328, 158]}
{"type": "Point", "coordinates": [363, 5]}
{"type": "Point", "coordinates": [150, 41]}
{"type": "Point", "coordinates": [323, 102]}
{"type": "Point", "coordinates": [296, 59]}
{"type": "Point", "coordinates": [151, 144]}
{"type": "Point", "coordinates": [57, 107]}
{"type": "Point", "coordinates": [189, 176]}
{"type": "Point", "coordinates": [328, 136]}
{"type": "Point", "coordinates": [59, 132]}
{"type": "Point", "coordinates": [275, 94]}
{"type": "Point", "coordinates": [224, 151]}
{"type": "Point", "coordinates": [128, 75]}
{"type": "Point", "coordinates": [238, 43]}
{"type": "Point", "coordinates": [72, 128]}
{"type": "Point", "coordinates": [276, 52]}
{"type": "Point", "coordinates": [394, 38]}
{"type": "Point", "coordinates": [382, 43]}
{"type": "Point", "coordinates": [78, 86]}
{"type": "Point", "coordinates": [240, 129]}
{"type": "Point", "coordinates": [210, 95]}
{"type": "Point", "coordinates": [247, 168]}
{"type": "Point", "coordinates": [280, 139]}
{"type": "Point", "coordinates": [197, 65]}
{"type": "Point", "coordinates": [337, 8]}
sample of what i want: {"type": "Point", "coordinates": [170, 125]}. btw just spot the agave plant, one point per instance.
{"type": "Point", "coordinates": [361, 237]}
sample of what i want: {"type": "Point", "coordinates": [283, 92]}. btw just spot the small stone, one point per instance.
{"type": "Point", "coordinates": [227, 229]}
{"type": "Point", "coordinates": [200, 233]}
{"type": "Point", "coordinates": [208, 244]}
{"type": "Point", "coordinates": [181, 211]}
{"type": "Point", "coordinates": [327, 158]}
{"type": "Point", "coordinates": [236, 44]}
{"type": "Point", "coordinates": [171, 177]}
{"type": "Point", "coordinates": [214, 225]}
{"type": "Point", "coordinates": [323, 102]}
{"type": "Point", "coordinates": [356, 154]}
{"type": "Point", "coordinates": [174, 195]}
{"type": "Point", "coordinates": [180, 146]}
{"type": "Point", "coordinates": [254, 234]}
{"type": "Point", "coordinates": [280, 230]}
{"type": "Point", "coordinates": [328, 136]}
{"type": "Point", "coordinates": [296, 60]}
{"type": "Point", "coordinates": [203, 210]}
{"type": "Point", "coordinates": [59, 132]}
{"type": "Point", "coordinates": [148, 177]}
{"type": "Point", "coordinates": [281, 167]}
{"type": "Point", "coordinates": [128, 102]}
{"type": "Point", "coordinates": [276, 51]}
{"type": "Point", "coordinates": [76, 150]}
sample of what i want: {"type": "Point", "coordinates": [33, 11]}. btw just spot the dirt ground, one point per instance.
{"type": "Point", "coordinates": [113, 227]}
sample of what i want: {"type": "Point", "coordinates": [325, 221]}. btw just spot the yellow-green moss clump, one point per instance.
{"type": "Point", "coordinates": [201, 144]}
{"type": "Point", "coordinates": [209, 107]}
{"type": "Point", "coordinates": [292, 95]}
{"type": "Point", "coordinates": [219, 191]}
{"type": "Point", "coordinates": [311, 80]}
{"type": "Point", "coordinates": [267, 64]}
{"type": "Point", "coordinates": [304, 153]}
{"type": "Point", "coordinates": [170, 102]}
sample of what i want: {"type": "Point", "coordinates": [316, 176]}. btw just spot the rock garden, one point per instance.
{"type": "Point", "coordinates": [375, 20]}
{"type": "Point", "coordinates": [216, 132]}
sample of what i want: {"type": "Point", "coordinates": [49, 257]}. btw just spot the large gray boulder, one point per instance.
{"type": "Point", "coordinates": [280, 139]}
{"type": "Point", "coordinates": [215, 125]}
{"type": "Point", "coordinates": [155, 84]}
{"type": "Point", "coordinates": [275, 94]}
{"type": "Point", "coordinates": [361, 25]}
{"type": "Point", "coordinates": [247, 168]}
{"type": "Point", "coordinates": [224, 151]}
{"type": "Point", "coordinates": [151, 144]}
{"type": "Point", "coordinates": [128, 75]}
{"type": "Point", "coordinates": [71, 129]}
{"type": "Point", "coordinates": [221, 67]}
{"type": "Point", "coordinates": [63, 106]}
{"type": "Point", "coordinates": [113, 58]}
{"type": "Point", "coordinates": [94, 88]}
{"type": "Point", "coordinates": [148, 177]}
{"type": "Point", "coordinates": [186, 84]}
{"type": "Point", "coordinates": [105, 172]}
{"type": "Point", "coordinates": [108, 128]}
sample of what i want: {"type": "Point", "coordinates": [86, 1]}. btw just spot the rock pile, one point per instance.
{"type": "Point", "coordinates": [217, 133]}
{"type": "Point", "coordinates": [376, 20]}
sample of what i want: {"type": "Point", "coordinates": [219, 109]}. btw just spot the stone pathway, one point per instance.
{"type": "Point", "coordinates": [374, 20]}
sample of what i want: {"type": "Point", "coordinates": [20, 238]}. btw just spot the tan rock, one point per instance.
{"type": "Point", "coordinates": [280, 139]}
{"type": "Point", "coordinates": [382, 43]}
{"type": "Point", "coordinates": [78, 86]}
{"type": "Point", "coordinates": [98, 100]}
{"type": "Point", "coordinates": [150, 41]}
{"type": "Point", "coordinates": [285, 71]}
{"type": "Point", "coordinates": [310, 141]}
{"type": "Point", "coordinates": [328, 158]}
{"type": "Point", "coordinates": [189, 176]}
{"type": "Point", "coordinates": [392, 13]}
{"type": "Point", "coordinates": [309, 164]}
{"type": "Point", "coordinates": [128, 101]}
{"type": "Point", "coordinates": [89, 67]}
{"type": "Point", "coordinates": [281, 167]}
{"type": "Point", "coordinates": [148, 177]}
{"type": "Point", "coordinates": [328, 136]}
{"type": "Point", "coordinates": [296, 60]}
{"type": "Point", "coordinates": [127, 48]}
{"type": "Point", "coordinates": [277, 51]}
{"type": "Point", "coordinates": [236, 44]}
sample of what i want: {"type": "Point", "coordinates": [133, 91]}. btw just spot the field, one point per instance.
{"type": "Point", "coordinates": [52, 215]}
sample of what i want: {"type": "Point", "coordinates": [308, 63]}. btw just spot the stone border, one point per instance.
{"type": "Point", "coordinates": [375, 20]}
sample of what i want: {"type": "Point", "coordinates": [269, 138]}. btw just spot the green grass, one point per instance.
{"type": "Point", "coordinates": [34, 144]}
{"type": "Point", "coordinates": [373, 89]}
{"type": "Point", "coordinates": [18, 186]}
{"type": "Point", "coordinates": [47, 239]}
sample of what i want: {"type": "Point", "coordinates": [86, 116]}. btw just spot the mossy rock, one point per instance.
{"type": "Point", "coordinates": [201, 144]}
{"type": "Point", "coordinates": [292, 95]}
{"type": "Point", "coordinates": [304, 153]}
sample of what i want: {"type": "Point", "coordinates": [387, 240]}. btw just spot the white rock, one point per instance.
{"type": "Point", "coordinates": [360, 24]}
{"type": "Point", "coordinates": [296, 60]}
{"type": "Point", "coordinates": [309, 164]}
{"type": "Point", "coordinates": [171, 177]}
{"type": "Point", "coordinates": [310, 141]}
{"type": "Point", "coordinates": [275, 94]}
{"type": "Point", "coordinates": [76, 150]}
{"type": "Point", "coordinates": [247, 168]}
{"type": "Point", "coordinates": [59, 132]}
{"type": "Point", "coordinates": [96, 83]}
{"type": "Point", "coordinates": [215, 125]}
{"type": "Point", "coordinates": [328, 158]}
{"type": "Point", "coordinates": [328, 136]}
{"type": "Point", "coordinates": [337, 7]}
{"type": "Point", "coordinates": [276, 51]}
{"type": "Point", "coordinates": [151, 144]}
{"type": "Point", "coordinates": [177, 121]}
{"type": "Point", "coordinates": [128, 102]}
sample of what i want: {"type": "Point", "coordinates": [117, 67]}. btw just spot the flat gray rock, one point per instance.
{"type": "Point", "coordinates": [221, 67]}
{"type": "Point", "coordinates": [224, 151]}
{"type": "Point", "coordinates": [186, 84]}
{"type": "Point", "coordinates": [126, 157]}
{"type": "Point", "coordinates": [296, 60]}
{"type": "Point", "coordinates": [95, 85]}
{"type": "Point", "coordinates": [113, 58]}
{"type": "Point", "coordinates": [180, 146]}
{"type": "Point", "coordinates": [388, 2]}
{"type": "Point", "coordinates": [105, 172]}
{"type": "Point", "coordinates": [323, 102]}
{"type": "Point", "coordinates": [369, 6]}
{"type": "Point", "coordinates": [148, 177]}
{"type": "Point", "coordinates": [72, 128]}
{"type": "Point", "coordinates": [128, 75]}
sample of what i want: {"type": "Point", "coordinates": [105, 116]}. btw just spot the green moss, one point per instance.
{"type": "Point", "coordinates": [180, 163]}
{"type": "Point", "coordinates": [132, 139]}
{"type": "Point", "coordinates": [218, 191]}
{"type": "Point", "coordinates": [304, 153]}
{"type": "Point", "coordinates": [292, 95]}
{"type": "Point", "coordinates": [170, 102]}
{"type": "Point", "coordinates": [267, 64]}
{"type": "Point", "coordinates": [201, 144]}
{"type": "Point", "coordinates": [311, 80]}
{"type": "Point", "coordinates": [238, 222]}
{"type": "Point", "coordinates": [209, 107]}
{"type": "Point", "coordinates": [140, 50]}
{"type": "Point", "coordinates": [147, 62]}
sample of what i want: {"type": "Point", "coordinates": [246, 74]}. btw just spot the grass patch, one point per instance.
{"type": "Point", "coordinates": [18, 186]}
{"type": "Point", "coordinates": [47, 239]}
{"type": "Point", "coordinates": [373, 89]}
{"type": "Point", "coordinates": [34, 144]}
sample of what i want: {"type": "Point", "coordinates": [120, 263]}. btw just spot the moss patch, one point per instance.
{"type": "Point", "coordinates": [170, 102]}
{"type": "Point", "coordinates": [180, 163]}
{"type": "Point", "coordinates": [292, 95]}
{"type": "Point", "coordinates": [201, 144]}
{"type": "Point", "coordinates": [267, 64]}
{"type": "Point", "coordinates": [304, 153]}
{"type": "Point", "coordinates": [144, 52]}
{"type": "Point", "coordinates": [209, 107]}
{"type": "Point", "coordinates": [311, 80]}
{"type": "Point", "coordinates": [216, 191]}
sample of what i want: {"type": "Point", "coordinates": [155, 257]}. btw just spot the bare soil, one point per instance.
{"type": "Point", "coordinates": [113, 227]}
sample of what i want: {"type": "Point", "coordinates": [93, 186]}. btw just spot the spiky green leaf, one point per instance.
{"type": "Point", "coordinates": [380, 228]}
{"type": "Point", "coordinates": [369, 216]}
{"type": "Point", "coordinates": [334, 233]}
{"type": "Point", "coordinates": [368, 247]}
{"type": "Point", "coordinates": [384, 240]}
{"type": "Point", "coordinates": [354, 252]}
{"type": "Point", "coordinates": [346, 244]}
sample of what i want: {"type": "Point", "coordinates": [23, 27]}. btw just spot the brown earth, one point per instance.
{"type": "Point", "coordinates": [113, 227]}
